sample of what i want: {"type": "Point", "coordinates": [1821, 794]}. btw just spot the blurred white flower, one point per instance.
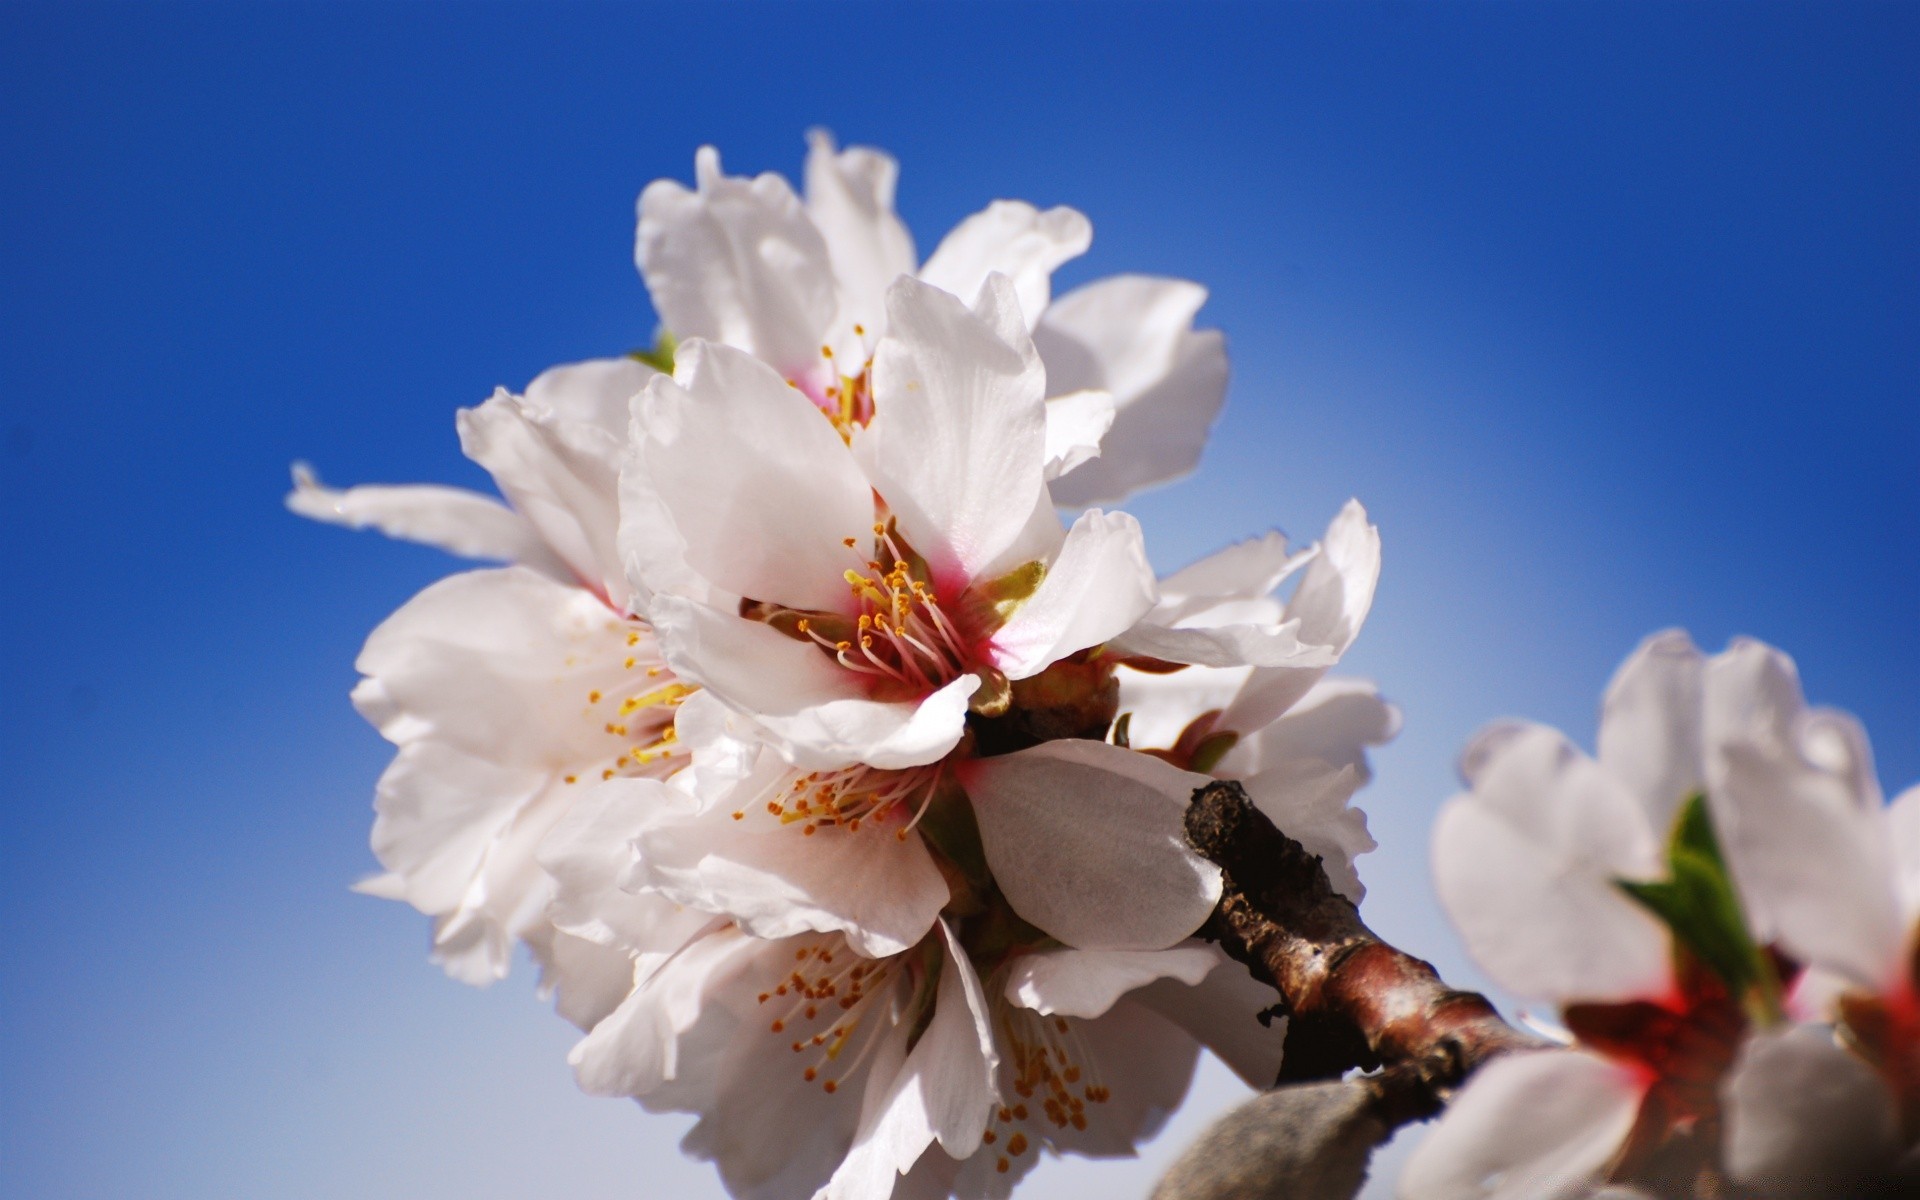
{"type": "Point", "coordinates": [1601, 885]}
{"type": "Point", "coordinates": [803, 285]}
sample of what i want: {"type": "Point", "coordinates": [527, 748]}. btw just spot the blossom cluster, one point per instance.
{"type": "Point", "coordinates": [833, 777]}
{"type": "Point", "coordinates": [1727, 915]}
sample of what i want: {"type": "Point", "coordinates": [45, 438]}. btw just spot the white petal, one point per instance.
{"type": "Point", "coordinates": [1798, 812]}
{"type": "Point", "coordinates": [1223, 1011]}
{"type": "Point", "coordinates": [1144, 1060]}
{"type": "Point", "coordinates": [957, 443]}
{"type": "Point", "coordinates": [1163, 704]}
{"type": "Point", "coordinates": [760, 490]}
{"type": "Point", "coordinates": [1086, 983]}
{"type": "Point", "coordinates": [1087, 842]}
{"type": "Point", "coordinates": [1541, 1125]}
{"type": "Point", "coordinates": [461, 832]}
{"type": "Point", "coordinates": [1526, 864]}
{"type": "Point", "coordinates": [738, 261]}
{"type": "Point", "coordinates": [564, 478]}
{"type": "Point", "coordinates": [850, 198]}
{"type": "Point", "coordinates": [1306, 798]}
{"type": "Point", "coordinates": [1903, 823]}
{"type": "Point", "coordinates": [812, 707]}
{"type": "Point", "coordinates": [1075, 424]}
{"type": "Point", "coordinates": [777, 880]}
{"type": "Point", "coordinates": [1317, 625]}
{"type": "Point", "coordinates": [1099, 586]}
{"type": "Point", "coordinates": [500, 664]}
{"type": "Point", "coordinates": [1246, 569]}
{"type": "Point", "coordinates": [944, 1090]}
{"type": "Point", "coordinates": [1650, 724]}
{"type": "Point", "coordinates": [637, 1048]}
{"type": "Point", "coordinates": [771, 1132]}
{"type": "Point", "coordinates": [1804, 1117]}
{"type": "Point", "coordinates": [1011, 238]}
{"type": "Point", "coordinates": [588, 854]}
{"type": "Point", "coordinates": [1814, 861]}
{"type": "Point", "coordinates": [1335, 723]}
{"type": "Point", "coordinates": [1237, 644]}
{"type": "Point", "coordinates": [1133, 335]}
{"type": "Point", "coordinates": [586, 980]}
{"type": "Point", "coordinates": [597, 393]}
{"type": "Point", "coordinates": [452, 519]}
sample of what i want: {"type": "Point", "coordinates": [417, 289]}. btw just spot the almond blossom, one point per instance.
{"type": "Point", "coordinates": [802, 285]}
{"type": "Point", "coordinates": [1599, 884]}
{"type": "Point", "coordinates": [858, 588]}
{"type": "Point", "coordinates": [508, 690]}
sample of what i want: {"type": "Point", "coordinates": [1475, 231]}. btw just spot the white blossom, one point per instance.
{"type": "Point", "coordinates": [802, 285]}
{"type": "Point", "coordinates": [1534, 865]}
{"type": "Point", "coordinates": [511, 690]}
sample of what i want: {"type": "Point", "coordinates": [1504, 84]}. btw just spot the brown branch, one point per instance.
{"type": "Point", "coordinates": [1351, 999]}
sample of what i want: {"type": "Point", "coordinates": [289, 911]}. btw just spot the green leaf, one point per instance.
{"type": "Point", "coordinates": [660, 358]}
{"type": "Point", "coordinates": [1698, 904]}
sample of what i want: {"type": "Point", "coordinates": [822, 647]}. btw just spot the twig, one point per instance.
{"type": "Point", "coordinates": [1351, 999]}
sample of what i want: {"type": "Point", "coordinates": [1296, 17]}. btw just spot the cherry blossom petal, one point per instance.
{"type": "Point", "coordinates": [957, 444]}
{"type": "Point", "coordinates": [1133, 335]}
{"type": "Point", "coordinates": [1541, 1125]}
{"type": "Point", "coordinates": [595, 394]}
{"type": "Point", "coordinates": [586, 980]}
{"type": "Point", "coordinates": [1099, 586]}
{"type": "Point", "coordinates": [1011, 238]}
{"type": "Point", "coordinates": [850, 198]}
{"type": "Point", "coordinates": [452, 519]}
{"type": "Point", "coordinates": [1650, 724]}
{"type": "Point", "coordinates": [813, 708]}
{"type": "Point", "coordinates": [1526, 864]}
{"type": "Point", "coordinates": [1306, 798]}
{"type": "Point", "coordinates": [944, 1089]}
{"type": "Point", "coordinates": [1903, 824]}
{"type": "Point", "coordinates": [499, 664]}
{"type": "Point", "coordinates": [1252, 567]}
{"type": "Point", "coordinates": [564, 478]}
{"type": "Point", "coordinates": [777, 880]}
{"type": "Point", "coordinates": [1162, 704]}
{"type": "Point", "coordinates": [1075, 424]}
{"type": "Point", "coordinates": [759, 488]}
{"type": "Point", "coordinates": [1335, 722]}
{"type": "Point", "coordinates": [1798, 812]}
{"type": "Point", "coordinates": [1086, 841]}
{"type": "Point", "coordinates": [1297, 642]}
{"type": "Point", "coordinates": [1804, 1117]}
{"type": "Point", "coordinates": [1086, 983]}
{"type": "Point", "coordinates": [1812, 857]}
{"type": "Point", "coordinates": [738, 261]}
{"type": "Point", "coordinates": [460, 832]}
{"type": "Point", "coordinates": [1224, 1013]}
{"type": "Point", "coordinates": [1255, 642]}
{"type": "Point", "coordinates": [1144, 1062]}
{"type": "Point", "coordinates": [589, 853]}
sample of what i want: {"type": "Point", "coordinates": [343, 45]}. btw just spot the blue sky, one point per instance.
{"type": "Point", "coordinates": [1610, 313]}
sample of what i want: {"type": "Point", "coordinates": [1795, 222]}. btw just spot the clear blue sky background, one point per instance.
{"type": "Point", "coordinates": [1610, 313]}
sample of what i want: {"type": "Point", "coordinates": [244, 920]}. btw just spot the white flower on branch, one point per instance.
{"type": "Point", "coordinates": [509, 691]}
{"type": "Point", "coordinates": [802, 286]}
{"type": "Point", "coordinates": [856, 587]}
{"type": "Point", "coordinates": [1620, 888]}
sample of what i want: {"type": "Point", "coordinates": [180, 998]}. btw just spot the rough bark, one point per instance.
{"type": "Point", "coordinates": [1351, 999]}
